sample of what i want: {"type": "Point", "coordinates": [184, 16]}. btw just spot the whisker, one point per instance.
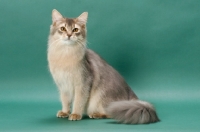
{"type": "Point", "coordinates": [56, 41]}
{"type": "Point", "coordinates": [81, 43]}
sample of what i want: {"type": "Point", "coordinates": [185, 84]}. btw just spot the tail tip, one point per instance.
{"type": "Point", "coordinates": [132, 112]}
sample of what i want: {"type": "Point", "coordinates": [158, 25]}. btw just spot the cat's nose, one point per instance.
{"type": "Point", "coordinates": [69, 35]}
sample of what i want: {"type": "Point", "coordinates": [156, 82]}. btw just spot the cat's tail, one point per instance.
{"type": "Point", "coordinates": [132, 112]}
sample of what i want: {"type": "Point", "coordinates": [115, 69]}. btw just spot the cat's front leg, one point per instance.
{"type": "Point", "coordinates": [80, 100]}
{"type": "Point", "coordinates": [66, 101]}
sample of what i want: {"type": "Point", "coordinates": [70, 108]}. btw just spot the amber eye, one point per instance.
{"type": "Point", "coordinates": [75, 30]}
{"type": "Point", "coordinates": [62, 29]}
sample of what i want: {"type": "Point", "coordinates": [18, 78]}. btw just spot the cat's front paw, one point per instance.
{"type": "Point", "coordinates": [62, 114]}
{"type": "Point", "coordinates": [74, 117]}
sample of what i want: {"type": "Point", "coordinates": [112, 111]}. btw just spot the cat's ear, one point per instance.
{"type": "Point", "coordinates": [83, 18]}
{"type": "Point", "coordinates": [56, 15]}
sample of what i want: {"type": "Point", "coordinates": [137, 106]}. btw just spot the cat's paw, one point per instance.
{"type": "Point", "coordinates": [98, 116]}
{"type": "Point", "coordinates": [74, 117]}
{"type": "Point", "coordinates": [61, 114]}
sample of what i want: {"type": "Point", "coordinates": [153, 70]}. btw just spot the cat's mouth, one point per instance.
{"type": "Point", "coordinates": [68, 41]}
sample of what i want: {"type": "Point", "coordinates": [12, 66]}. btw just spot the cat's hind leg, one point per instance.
{"type": "Point", "coordinates": [95, 108]}
{"type": "Point", "coordinates": [98, 116]}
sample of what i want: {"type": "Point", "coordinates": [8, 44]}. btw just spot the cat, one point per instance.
{"type": "Point", "coordinates": [85, 80]}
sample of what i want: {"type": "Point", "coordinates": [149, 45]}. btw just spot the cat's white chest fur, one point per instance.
{"type": "Point", "coordinates": [64, 81]}
{"type": "Point", "coordinates": [64, 67]}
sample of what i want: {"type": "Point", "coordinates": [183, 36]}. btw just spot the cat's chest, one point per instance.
{"type": "Point", "coordinates": [62, 62]}
{"type": "Point", "coordinates": [66, 80]}
{"type": "Point", "coordinates": [64, 71]}
{"type": "Point", "coordinates": [66, 67]}
{"type": "Point", "coordinates": [64, 57]}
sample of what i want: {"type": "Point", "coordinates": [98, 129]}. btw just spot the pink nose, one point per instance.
{"type": "Point", "coordinates": [69, 35]}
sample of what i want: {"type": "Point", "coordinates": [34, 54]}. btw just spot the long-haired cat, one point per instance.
{"type": "Point", "coordinates": [85, 80]}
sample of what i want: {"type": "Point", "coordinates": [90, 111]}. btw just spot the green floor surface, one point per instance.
{"type": "Point", "coordinates": [31, 105]}
{"type": "Point", "coordinates": [40, 116]}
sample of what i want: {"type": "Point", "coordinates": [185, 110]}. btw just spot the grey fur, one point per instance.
{"type": "Point", "coordinates": [132, 112]}
{"type": "Point", "coordinates": [108, 81]}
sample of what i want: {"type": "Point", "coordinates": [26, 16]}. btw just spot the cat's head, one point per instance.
{"type": "Point", "coordinates": [68, 31]}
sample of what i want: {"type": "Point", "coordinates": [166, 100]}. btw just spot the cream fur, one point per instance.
{"type": "Point", "coordinates": [66, 70]}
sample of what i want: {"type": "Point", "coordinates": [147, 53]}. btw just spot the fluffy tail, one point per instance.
{"type": "Point", "coordinates": [132, 112]}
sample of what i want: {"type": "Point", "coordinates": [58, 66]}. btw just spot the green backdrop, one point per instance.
{"type": "Point", "coordinates": [154, 44]}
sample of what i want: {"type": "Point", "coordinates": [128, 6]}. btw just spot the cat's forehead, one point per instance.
{"type": "Point", "coordinates": [69, 23]}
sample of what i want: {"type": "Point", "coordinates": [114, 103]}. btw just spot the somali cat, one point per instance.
{"type": "Point", "coordinates": [85, 80]}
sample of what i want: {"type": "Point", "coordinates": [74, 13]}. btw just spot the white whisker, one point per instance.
{"type": "Point", "coordinates": [80, 43]}
{"type": "Point", "coordinates": [56, 41]}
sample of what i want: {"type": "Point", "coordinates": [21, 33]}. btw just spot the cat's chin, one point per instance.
{"type": "Point", "coordinates": [68, 42]}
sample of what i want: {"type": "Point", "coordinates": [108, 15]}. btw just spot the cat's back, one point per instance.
{"type": "Point", "coordinates": [100, 68]}
{"type": "Point", "coordinates": [97, 64]}
{"type": "Point", "coordinates": [94, 59]}
{"type": "Point", "coordinates": [106, 78]}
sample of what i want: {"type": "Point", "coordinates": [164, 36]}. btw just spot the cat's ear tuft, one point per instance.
{"type": "Point", "coordinates": [83, 18]}
{"type": "Point", "coordinates": [56, 15]}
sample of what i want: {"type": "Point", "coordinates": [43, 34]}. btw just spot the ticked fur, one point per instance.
{"type": "Point", "coordinates": [85, 80]}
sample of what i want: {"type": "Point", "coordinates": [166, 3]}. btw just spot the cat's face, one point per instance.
{"type": "Point", "coordinates": [68, 31]}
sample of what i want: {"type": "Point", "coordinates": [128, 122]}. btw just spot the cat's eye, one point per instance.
{"type": "Point", "coordinates": [62, 29]}
{"type": "Point", "coordinates": [75, 30]}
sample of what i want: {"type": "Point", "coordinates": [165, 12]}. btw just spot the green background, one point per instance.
{"type": "Point", "coordinates": [154, 44]}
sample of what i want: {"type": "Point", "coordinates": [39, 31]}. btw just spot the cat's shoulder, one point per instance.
{"type": "Point", "coordinates": [92, 56]}
{"type": "Point", "coordinates": [89, 51]}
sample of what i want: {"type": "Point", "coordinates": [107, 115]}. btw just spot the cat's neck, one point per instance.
{"type": "Point", "coordinates": [61, 55]}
